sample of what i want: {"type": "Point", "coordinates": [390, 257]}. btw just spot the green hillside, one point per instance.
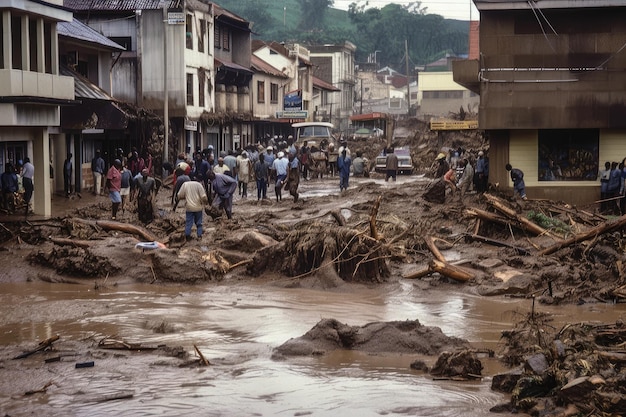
{"type": "Point", "coordinates": [429, 36]}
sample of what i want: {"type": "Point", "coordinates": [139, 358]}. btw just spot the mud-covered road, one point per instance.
{"type": "Point", "coordinates": [237, 295]}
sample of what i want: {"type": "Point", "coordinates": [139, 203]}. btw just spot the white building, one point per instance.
{"type": "Point", "coordinates": [31, 89]}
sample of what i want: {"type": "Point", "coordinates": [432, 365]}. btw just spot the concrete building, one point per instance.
{"type": "Point", "coordinates": [296, 92]}
{"type": "Point", "coordinates": [32, 90]}
{"type": "Point", "coordinates": [552, 98]}
{"type": "Point", "coordinates": [335, 65]}
{"type": "Point", "coordinates": [438, 95]}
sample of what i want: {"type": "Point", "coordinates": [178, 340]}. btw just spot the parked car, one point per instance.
{"type": "Point", "coordinates": [405, 164]}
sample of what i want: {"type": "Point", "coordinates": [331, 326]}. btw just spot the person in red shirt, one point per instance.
{"type": "Point", "coordinates": [114, 184]}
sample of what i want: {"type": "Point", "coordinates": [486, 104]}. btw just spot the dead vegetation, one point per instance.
{"type": "Point", "coordinates": [490, 244]}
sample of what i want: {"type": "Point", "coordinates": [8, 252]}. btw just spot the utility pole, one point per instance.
{"type": "Point", "coordinates": [166, 123]}
{"type": "Point", "coordinates": [408, 79]}
{"type": "Point", "coordinates": [361, 110]}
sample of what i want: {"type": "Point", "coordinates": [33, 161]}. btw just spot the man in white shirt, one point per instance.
{"type": "Point", "coordinates": [195, 197]}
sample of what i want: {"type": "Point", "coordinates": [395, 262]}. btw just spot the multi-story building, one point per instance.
{"type": "Point", "coordinates": [186, 60]}
{"type": "Point", "coordinates": [551, 81]}
{"type": "Point", "coordinates": [296, 92]}
{"type": "Point", "coordinates": [232, 119]}
{"type": "Point", "coordinates": [32, 90]}
{"type": "Point", "coordinates": [335, 64]}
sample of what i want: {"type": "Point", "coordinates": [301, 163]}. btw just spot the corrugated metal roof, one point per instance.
{"type": "Point", "coordinates": [118, 5]}
{"type": "Point", "coordinates": [78, 30]}
{"type": "Point", "coordinates": [262, 66]}
{"type": "Point", "coordinates": [83, 88]}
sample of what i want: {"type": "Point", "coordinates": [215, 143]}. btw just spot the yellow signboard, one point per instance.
{"type": "Point", "coordinates": [445, 124]}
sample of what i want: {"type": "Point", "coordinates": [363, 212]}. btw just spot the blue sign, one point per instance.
{"type": "Point", "coordinates": [293, 101]}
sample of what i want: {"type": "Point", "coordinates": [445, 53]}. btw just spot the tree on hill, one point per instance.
{"type": "Point", "coordinates": [313, 13]}
{"type": "Point", "coordinates": [387, 29]}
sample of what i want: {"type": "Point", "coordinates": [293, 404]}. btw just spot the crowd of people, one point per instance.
{"type": "Point", "coordinates": [460, 172]}
{"type": "Point", "coordinates": [613, 188]}
{"type": "Point", "coordinates": [17, 186]}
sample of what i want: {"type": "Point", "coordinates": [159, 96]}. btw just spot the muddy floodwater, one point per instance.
{"type": "Point", "coordinates": [236, 326]}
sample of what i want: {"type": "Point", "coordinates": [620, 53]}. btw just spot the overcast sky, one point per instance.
{"type": "Point", "coordinates": [450, 9]}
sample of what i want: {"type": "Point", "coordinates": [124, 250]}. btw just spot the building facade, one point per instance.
{"type": "Point", "coordinates": [552, 91]}
{"type": "Point", "coordinates": [32, 90]}
{"type": "Point", "coordinates": [335, 64]}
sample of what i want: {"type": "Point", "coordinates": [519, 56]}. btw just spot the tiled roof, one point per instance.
{"type": "Point", "coordinates": [324, 85]}
{"type": "Point", "coordinates": [118, 5]}
{"type": "Point", "coordinates": [262, 66]}
{"type": "Point", "coordinates": [78, 30]}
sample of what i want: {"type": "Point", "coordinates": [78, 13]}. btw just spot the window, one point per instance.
{"type": "Point", "coordinates": [16, 41]}
{"type": "Point", "coordinates": [226, 39]}
{"type": "Point", "coordinates": [124, 41]}
{"type": "Point", "coordinates": [273, 93]}
{"type": "Point", "coordinates": [190, 89]}
{"type": "Point", "coordinates": [260, 91]}
{"type": "Point", "coordinates": [201, 88]}
{"type": "Point", "coordinates": [568, 155]}
{"type": "Point", "coordinates": [33, 39]}
{"type": "Point", "coordinates": [189, 31]}
{"type": "Point", "coordinates": [201, 35]}
{"type": "Point", "coordinates": [217, 40]}
{"type": "Point", "coordinates": [443, 94]}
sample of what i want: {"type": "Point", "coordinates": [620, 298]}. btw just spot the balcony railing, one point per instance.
{"type": "Point", "coordinates": [17, 83]}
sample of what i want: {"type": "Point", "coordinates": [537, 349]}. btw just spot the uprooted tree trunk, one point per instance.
{"type": "Point", "coordinates": [325, 251]}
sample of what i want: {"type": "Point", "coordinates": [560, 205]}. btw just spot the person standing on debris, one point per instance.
{"type": "Point", "coordinates": [261, 174]}
{"type": "Point", "coordinates": [332, 159]}
{"type": "Point", "coordinates": [604, 176]}
{"type": "Point", "coordinates": [467, 177]}
{"type": "Point", "coordinates": [181, 178]}
{"type": "Point", "coordinates": [145, 187]}
{"type": "Point", "coordinates": [517, 176]}
{"type": "Point", "coordinates": [67, 175]}
{"type": "Point", "coordinates": [293, 177]}
{"type": "Point", "coordinates": [244, 169]}
{"type": "Point", "coordinates": [442, 165]}
{"type": "Point", "coordinates": [481, 175]}
{"type": "Point", "coordinates": [280, 167]}
{"type": "Point", "coordinates": [97, 169]}
{"type": "Point", "coordinates": [9, 188]}
{"type": "Point", "coordinates": [224, 187]}
{"type": "Point", "coordinates": [125, 186]}
{"type": "Point", "coordinates": [195, 197]}
{"type": "Point", "coordinates": [303, 156]}
{"type": "Point", "coordinates": [344, 162]}
{"type": "Point", "coordinates": [114, 184]}
{"type": "Point", "coordinates": [613, 191]}
{"type": "Point", "coordinates": [28, 173]}
{"type": "Point", "coordinates": [391, 165]}
{"type": "Point", "coordinates": [358, 165]}
{"type": "Point", "coordinates": [221, 167]}
{"type": "Point", "coordinates": [230, 161]}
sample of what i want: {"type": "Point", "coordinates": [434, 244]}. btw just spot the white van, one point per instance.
{"type": "Point", "coordinates": [313, 133]}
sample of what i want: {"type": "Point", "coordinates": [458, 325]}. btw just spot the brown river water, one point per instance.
{"type": "Point", "coordinates": [236, 326]}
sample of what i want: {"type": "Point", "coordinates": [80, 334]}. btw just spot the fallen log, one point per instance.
{"type": "Point", "coordinates": [42, 390]}
{"type": "Point", "coordinates": [203, 360]}
{"type": "Point", "coordinates": [43, 345]}
{"type": "Point", "coordinates": [494, 242]}
{"type": "Point", "coordinates": [71, 242]}
{"type": "Point", "coordinates": [450, 271]}
{"type": "Point", "coordinates": [430, 242]}
{"type": "Point", "coordinates": [523, 222]}
{"type": "Point", "coordinates": [613, 356]}
{"type": "Point", "coordinates": [589, 234]}
{"type": "Point", "coordinates": [419, 273]}
{"type": "Point", "coordinates": [122, 227]}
